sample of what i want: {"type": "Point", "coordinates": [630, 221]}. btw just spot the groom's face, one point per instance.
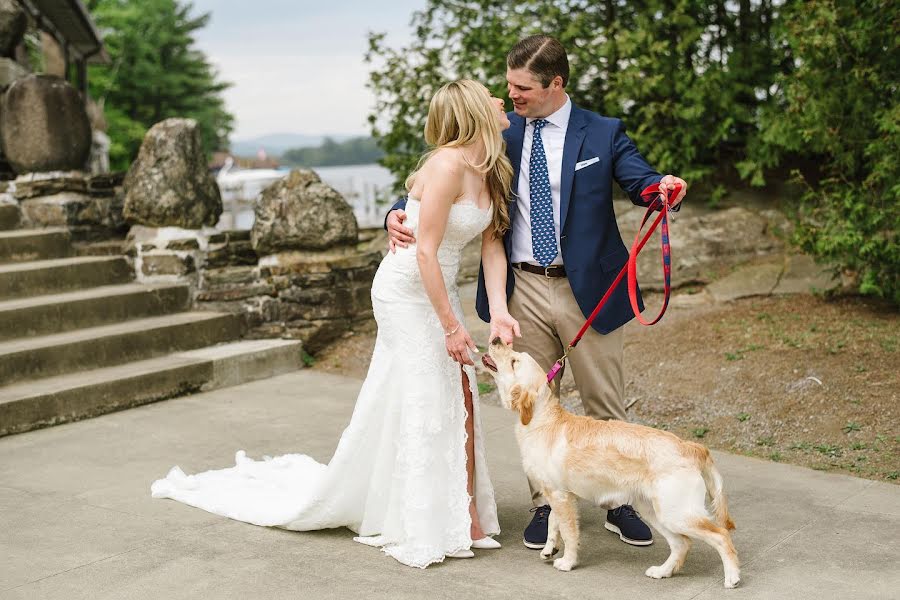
{"type": "Point", "coordinates": [530, 98]}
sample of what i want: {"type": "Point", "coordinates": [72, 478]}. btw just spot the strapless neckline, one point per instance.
{"type": "Point", "coordinates": [470, 203]}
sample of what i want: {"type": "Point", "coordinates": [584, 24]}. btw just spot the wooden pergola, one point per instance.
{"type": "Point", "coordinates": [70, 24]}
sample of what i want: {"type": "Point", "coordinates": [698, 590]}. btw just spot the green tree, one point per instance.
{"type": "Point", "coordinates": [354, 151]}
{"type": "Point", "coordinates": [687, 76]}
{"type": "Point", "coordinates": [838, 113]}
{"type": "Point", "coordinates": [715, 91]}
{"type": "Point", "coordinates": [155, 73]}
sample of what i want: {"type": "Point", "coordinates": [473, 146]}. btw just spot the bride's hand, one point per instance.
{"type": "Point", "coordinates": [459, 344]}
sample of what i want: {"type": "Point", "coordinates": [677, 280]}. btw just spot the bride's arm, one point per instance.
{"type": "Point", "coordinates": [493, 259]}
{"type": "Point", "coordinates": [442, 187]}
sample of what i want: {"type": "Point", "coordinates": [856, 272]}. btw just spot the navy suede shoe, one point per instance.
{"type": "Point", "coordinates": [627, 523]}
{"type": "Point", "coordinates": [536, 532]}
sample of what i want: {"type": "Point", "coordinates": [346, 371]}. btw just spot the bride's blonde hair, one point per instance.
{"type": "Point", "coordinates": [462, 113]}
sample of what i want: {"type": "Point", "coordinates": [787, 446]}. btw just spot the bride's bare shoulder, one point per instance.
{"type": "Point", "coordinates": [446, 160]}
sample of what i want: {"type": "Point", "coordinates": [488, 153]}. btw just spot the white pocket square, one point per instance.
{"type": "Point", "coordinates": [586, 163]}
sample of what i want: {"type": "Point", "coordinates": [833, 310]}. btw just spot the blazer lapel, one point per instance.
{"type": "Point", "coordinates": [515, 136]}
{"type": "Point", "coordinates": [572, 146]}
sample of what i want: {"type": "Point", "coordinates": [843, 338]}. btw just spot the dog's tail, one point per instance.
{"type": "Point", "coordinates": [713, 481]}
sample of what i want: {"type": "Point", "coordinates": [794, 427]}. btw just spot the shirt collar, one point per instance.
{"type": "Point", "coordinates": [560, 118]}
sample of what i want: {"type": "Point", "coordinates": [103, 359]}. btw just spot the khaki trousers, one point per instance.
{"type": "Point", "coordinates": [549, 318]}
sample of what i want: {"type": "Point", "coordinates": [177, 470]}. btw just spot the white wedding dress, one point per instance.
{"type": "Point", "coordinates": [398, 476]}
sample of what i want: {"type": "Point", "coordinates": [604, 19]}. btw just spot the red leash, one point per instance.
{"type": "Point", "coordinates": [654, 195]}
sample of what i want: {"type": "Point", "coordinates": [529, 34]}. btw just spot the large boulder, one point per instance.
{"type": "Point", "coordinates": [299, 212]}
{"type": "Point", "coordinates": [169, 184]}
{"type": "Point", "coordinates": [13, 23]}
{"type": "Point", "coordinates": [44, 125]}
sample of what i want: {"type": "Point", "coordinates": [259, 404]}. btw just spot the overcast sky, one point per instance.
{"type": "Point", "coordinates": [297, 65]}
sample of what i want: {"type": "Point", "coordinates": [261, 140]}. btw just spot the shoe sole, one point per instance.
{"type": "Point", "coordinates": [610, 527]}
{"type": "Point", "coordinates": [532, 545]}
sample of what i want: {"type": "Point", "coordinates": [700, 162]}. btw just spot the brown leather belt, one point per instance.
{"type": "Point", "coordinates": [549, 271]}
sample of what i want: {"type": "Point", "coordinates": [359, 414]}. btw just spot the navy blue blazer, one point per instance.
{"type": "Point", "coordinates": [591, 246]}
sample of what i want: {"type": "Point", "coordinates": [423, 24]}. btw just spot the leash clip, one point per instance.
{"type": "Point", "coordinates": [557, 367]}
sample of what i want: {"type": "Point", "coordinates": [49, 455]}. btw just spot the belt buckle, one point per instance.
{"type": "Point", "coordinates": [547, 271]}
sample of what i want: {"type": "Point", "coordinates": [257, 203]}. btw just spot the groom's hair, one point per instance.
{"type": "Point", "coordinates": [543, 56]}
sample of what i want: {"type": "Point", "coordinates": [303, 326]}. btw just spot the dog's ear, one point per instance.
{"type": "Point", "coordinates": [523, 401]}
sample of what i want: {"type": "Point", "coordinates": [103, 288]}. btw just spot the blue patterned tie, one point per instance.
{"type": "Point", "coordinates": [543, 232]}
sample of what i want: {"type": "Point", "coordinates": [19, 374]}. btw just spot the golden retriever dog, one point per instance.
{"type": "Point", "coordinates": [611, 463]}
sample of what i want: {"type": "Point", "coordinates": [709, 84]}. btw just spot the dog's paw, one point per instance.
{"type": "Point", "coordinates": [732, 580]}
{"type": "Point", "coordinates": [564, 564]}
{"type": "Point", "coordinates": [548, 552]}
{"type": "Point", "coordinates": [658, 572]}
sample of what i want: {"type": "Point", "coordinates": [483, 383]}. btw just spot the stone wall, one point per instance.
{"type": "Point", "coordinates": [314, 296]}
{"type": "Point", "coordinates": [300, 273]}
{"type": "Point", "coordinates": [90, 207]}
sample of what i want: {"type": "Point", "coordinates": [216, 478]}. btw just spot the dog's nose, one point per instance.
{"type": "Point", "coordinates": [497, 341]}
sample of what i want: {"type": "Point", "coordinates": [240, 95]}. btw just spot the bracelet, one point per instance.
{"type": "Point", "coordinates": [458, 325]}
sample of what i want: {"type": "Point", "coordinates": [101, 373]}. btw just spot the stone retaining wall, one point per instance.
{"type": "Point", "coordinates": [90, 207]}
{"type": "Point", "coordinates": [314, 296]}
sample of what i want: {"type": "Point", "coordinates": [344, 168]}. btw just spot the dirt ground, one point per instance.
{"type": "Point", "coordinates": [797, 379]}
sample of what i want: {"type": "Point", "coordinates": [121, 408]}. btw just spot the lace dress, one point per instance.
{"type": "Point", "coordinates": [398, 476]}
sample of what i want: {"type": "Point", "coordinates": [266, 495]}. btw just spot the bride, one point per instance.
{"type": "Point", "coordinates": [409, 473]}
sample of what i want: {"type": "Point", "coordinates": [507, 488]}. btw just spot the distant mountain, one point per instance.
{"type": "Point", "coordinates": [277, 143]}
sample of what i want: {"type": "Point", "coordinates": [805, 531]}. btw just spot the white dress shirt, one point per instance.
{"type": "Point", "coordinates": [554, 137]}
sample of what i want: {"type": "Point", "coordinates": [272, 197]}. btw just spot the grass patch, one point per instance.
{"type": "Point", "coordinates": [828, 450]}
{"type": "Point", "coordinates": [485, 388]}
{"type": "Point", "coordinates": [739, 354]}
{"type": "Point", "coordinates": [700, 432]}
{"type": "Point", "coordinates": [791, 342]}
{"type": "Point", "coordinates": [850, 426]}
{"type": "Point", "coordinates": [743, 417]}
{"type": "Point", "coordinates": [776, 456]}
{"type": "Point", "coordinates": [307, 358]}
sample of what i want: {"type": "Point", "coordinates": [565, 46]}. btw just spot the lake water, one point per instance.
{"type": "Point", "coordinates": [366, 188]}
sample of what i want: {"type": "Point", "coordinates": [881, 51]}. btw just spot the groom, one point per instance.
{"type": "Point", "coordinates": [564, 247]}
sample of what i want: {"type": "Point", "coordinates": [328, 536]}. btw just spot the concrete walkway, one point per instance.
{"type": "Point", "coordinates": [77, 520]}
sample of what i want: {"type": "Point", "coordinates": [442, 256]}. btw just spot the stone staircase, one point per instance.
{"type": "Point", "coordinates": [79, 338]}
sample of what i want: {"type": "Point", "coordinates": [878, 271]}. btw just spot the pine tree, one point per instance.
{"type": "Point", "coordinates": [155, 73]}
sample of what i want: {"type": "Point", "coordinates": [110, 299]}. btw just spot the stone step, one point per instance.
{"type": "Point", "coordinates": [9, 216]}
{"type": "Point", "coordinates": [114, 247]}
{"type": "Point", "coordinates": [58, 313]}
{"type": "Point", "coordinates": [110, 345]}
{"type": "Point", "coordinates": [25, 245]}
{"type": "Point", "coordinates": [34, 404]}
{"type": "Point", "coordinates": [18, 280]}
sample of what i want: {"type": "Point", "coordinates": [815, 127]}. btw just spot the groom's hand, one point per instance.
{"type": "Point", "coordinates": [670, 181]}
{"type": "Point", "coordinates": [504, 327]}
{"type": "Point", "coordinates": [398, 235]}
